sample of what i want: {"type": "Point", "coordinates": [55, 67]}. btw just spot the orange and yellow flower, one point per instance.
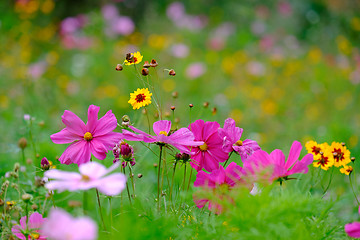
{"type": "Point", "coordinates": [140, 98]}
{"type": "Point", "coordinates": [339, 153]}
{"type": "Point", "coordinates": [325, 161]}
{"type": "Point", "coordinates": [133, 58]}
{"type": "Point", "coordinates": [346, 169]}
{"type": "Point", "coordinates": [316, 149]}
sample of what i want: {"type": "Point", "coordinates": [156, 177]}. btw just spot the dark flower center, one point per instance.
{"type": "Point", "coordinates": [140, 97]}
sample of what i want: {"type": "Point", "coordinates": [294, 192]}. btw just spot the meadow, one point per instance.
{"type": "Point", "coordinates": [151, 97]}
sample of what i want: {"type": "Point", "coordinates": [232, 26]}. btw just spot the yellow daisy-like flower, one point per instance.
{"type": "Point", "coordinates": [346, 169]}
{"type": "Point", "coordinates": [133, 58]}
{"type": "Point", "coordinates": [324, 161]}
{"type": "Point", "coordinates": [140, 98]}
{"type": "Point", "coordinates": [339, 153]}
{"type": "Point", "coordinates": [316, 149]}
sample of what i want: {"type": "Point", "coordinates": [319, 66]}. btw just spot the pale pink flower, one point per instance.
{"type": "Point", "coordinates": [33, 229]}
{"type": "Point", "coordinates": [96, 136]}
{"type": "Point", "coordinates": [353, 229]}
{"type": "Point", "coordinates": [195, 70]}
{"type": "Point", "coordinates": [60, 225]}
{"type": "Point", "coordinates": [92, 175]}
{"type": "Point", "coordinates": [275, 165]}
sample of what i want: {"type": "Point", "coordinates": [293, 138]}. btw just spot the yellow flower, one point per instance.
{"type": "Point", "coordinates": [140, 98]}
{"type": "Point", "coordinates": [316, 149]}
{"type": "Point", "coordinates": [346, 169]}
{"type": "Point", "coordinates": [324, 160]}
{"type": "Point", "coordinates": [339, 154]}
{"type": "Point", "coordinates": [133, 58]}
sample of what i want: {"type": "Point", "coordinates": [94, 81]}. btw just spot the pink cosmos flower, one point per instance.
{"type": "Point", "coordinates": [209, 154]}
{"type": "Point", "coordinates": [92, 175]}
{"type": "Point", "coordinates": [275, 163]}
{"type": "Point", "coordinates": [231, 140]}
{"type": "Point", "coordinates": [219, 180]}
{"type": "Point", "coordinates": [61, 225]}
{"type": "Point", "coordinates": [33, 229]}
{"type": "Point", "coordinates": [96, 136]}
{"type": "Point", "coordinates": [353, 229]}
{"type": "Point", "coordinates": [181, 139]}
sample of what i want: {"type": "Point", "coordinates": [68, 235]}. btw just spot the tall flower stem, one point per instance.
{"type": "Point", "coordinates": [331, 174]}
{"type": "Point", "coordinates": [127, 186]}
{"type": "Point", "coordinates": [147, 117]}
{"type": "Point", "coordinates": [100, 211]}
{"type": "Point", "coordinates": [111, 216]}
{"type": "Point", "coordinates": [158, 180]}
{"type": "Point", "coordinates": [183, 185]}
{"type": "Point", "coordinates": [132, 179]}
{"type": "Point", "coordinates": [172, 181]}
{"type": "Point", "coordinates": [85, 196]}
{"type": "Point", "coordinates": [228, 159]}
{"type": "Point", "coordinates": [191, 171]}
{"type": "Point", "coordinates": [23, 155]}
{"type": "Point", "coordinates": [352, 187]}
{"type": "Point", "coordinates": [31, 138]}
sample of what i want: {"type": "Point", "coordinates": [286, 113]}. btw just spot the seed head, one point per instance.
{"type": "Point", "coordinates": [145, 71]}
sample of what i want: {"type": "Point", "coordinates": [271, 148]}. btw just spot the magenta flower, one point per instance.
{"type": "Point", "coordinates": [209, 154]}
{"type": "Point", "coordinates": [182, 139]}
{"type": "Point", "coordinates": [33, 229]}
{"type": "Point", "coordinates": [231, 140]}
{"type": "Point", "coordinates": [353, 229]}
{"type": "Point", "coordinates": [275, 163]}
{"type": "Point", "coordinates": [61, 225]}
{"type": "Point", "coordinates": [126, 151]}
{"type": "Point", "coordinates": [96, 137]}
{"type": "Point", "coordinates": [92, 175]}
{"type": "Point", "coordinates": [220, 180]}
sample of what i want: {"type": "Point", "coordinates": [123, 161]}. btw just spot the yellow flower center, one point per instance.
{"type": "Point", "coordinates": [35, 235]}
{"type": "Point", "coordinates": [88, 136]}
{"type": "Point", "coordinates": [85, 178]}
{"type": "Point", "coordinates": [163, 133]}
{"type": "Point", "coordinates": [239, 143]}
{"type": "Point", "coordinates": [203, 147]}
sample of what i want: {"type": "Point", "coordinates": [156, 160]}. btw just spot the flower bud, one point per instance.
{"type": "Point", "coordinates": [2, 202]}
{"type": "Point", "coordinates": [39, 182]}
{"type": "Point", "coordinates": [34, 207]}
{"type": "Point", "coordinates": [146, 64]}
{"type": "Point", "coordinates": [22, 143]}
{"type": "Point", "coordinates": [16, 167]}
{"type": "Point", "coordinates": [191, 105]}
{"type": "Point", "coordinates": [352, 159]}
{"type": "Point", "coordinates": [119, 67]}
{"type": "Point", "coordinates": [145, 71]}
{"type": "Point", "coordinates": [214, 111]}
{"type": "Point", "coordinates": [178, 156]}
{"type": "Point", "coordinates": [139, 175]}
{"type": "Point", "coordinates": [45, 165]}
{"type": "Point", "coordinates": [153, 63]}
{"type": "Point", "coordinates": [129, 57]}
{"type": "Point", "coordinates": [172, 108]}
{"type": "Point", "coordinates": [175, 94]}
{"type": "Point", "coordinates": [29, 161]}
{"type": "Point", "coordinates": [155, 165]}
{"type": "Point", "coordinates": [26, 197]}
{"type": "Point", "coordinates": [126, 151]}
{"type": "Point", "coordinates": [172, 72]}
{"type": "Point", "coordinates": [206, 104]}
{"type": "Point", "coordinates": [41, 124]}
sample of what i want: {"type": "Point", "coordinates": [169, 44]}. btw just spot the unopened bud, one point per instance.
{"type": "Point", "coordinates": [45, 165]}
{"type": "Point", "coordinates": [145, 71]}
{"type": "Point", "coordinates": [129, 57]}
{"type": "Point", "coordinates": [214, 111]}
{"type": "Point", "coordinates": [16, 167]}
{"type": "Point", "coordinates": [167, 114]}
{"type": "Point", "coordinates": [22, 143]}
{"type": "Point", "coordinates": [191, 105]}
{"type": "Point", "coordinates": [119, 67]}
{"type": "Point", "coordinates": [41, 124]}
{"type": "Point", "coordinates": [321, 153]}
{"type": "Point", "coordinates": [146, 64]}
{"type": "Point", "coordinates": [37, 155]}
{"type": "Point", "coordinates": [139, 175]}
{"type": "Point", "coordinates": [2, 202]}
{"type": "Point", "coordinates": [34, 207]}
{"type": "Point", "coordinates": [175, 94]}
{"type": "Point", "coordinates": [172, 108]}
{"type": "Point", "coordinates": [178, 156]}
{"type": "Point", "coordinates": [343, 144]}
{"type": "Point", "coordinates": [335, 154]}
{"type": "Point", "coordinates": [26, 197]}
{"type": "Point", "coordinates": [172, 72]}
{"type": "Point", "coordinates": [206, 104]}
{"type": "Point", "coordinates": [155, 165]}
{"type": "Point", "coordinates": [153, 63]}
{"type": "Point", "coordinates": [352, 159]}
{"type": "Point", "coordinates": [29, 161]}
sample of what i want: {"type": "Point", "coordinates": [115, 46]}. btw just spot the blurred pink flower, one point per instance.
{"type": "Point", "coordinates": [353, 229]}
{"type": "Point", "coordinates": [33, 229]}
{"type": "Point", "coordinates": [275, 163]}
{"type": "Point", "coordinates": [182, 139]}
{"type": "Point", "coordinates": [209, 154]}
{"type": "Point", "coordinates": [61, 225]}
{"type": "Point", "coordinates": [284, 8]}
{"type": "Point", "coordinates": [180, 50]}
{"type": "Point", "coordinates": [231, 140]}
{"type": "Point", "coordinates": [220, 179]}
{"type": "Point", "coordinates": [122, 25]}
{"type": "Point", "coordinates": [96, 137]}
{"type": "Point", "coordinates": [92, 175]}
{"type": "Point", "coordinates": [109, 12]}
{"type": "Point", "coordinates": [78, 42]}
{"type": "Point", "coordinates": [36, 70]}
{"type": "Point", "coordinates": [176, 11]}
{"type": "Point", "coordinates": [195, 70]}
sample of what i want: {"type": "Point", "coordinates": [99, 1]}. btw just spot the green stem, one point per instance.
{"type": "Point", "coordinates": [100, 211]}
{"type": "Point", "coordinates": [331, 174]}
{"type": "Point", "coordinates": [172, 181]}
{"type": "Point", "coordinates": [183, 185]}
{"type": "Point", "coordinates": [189, 180]}
{"type": "Point", "coordinates": [23, 155]}
{"type": "Point", "coordinates": [352, 187]}
{"type": "Point", "coordinates": [111, 216]}
{"type": "Point", "coordinates": [127, 186]}
{"type": "Point", "coordinates": [85, 202]}
{"type": "Point", "coordinates": [228, 159]}
{"type": "Point", "coordinates": [147, 117]}
{"type": "Point", "coordinates": [158, 180]}
{"type": "Point", "coordinates": [31, 138]}
{"type": "Point", "coordinates": [132, 179]}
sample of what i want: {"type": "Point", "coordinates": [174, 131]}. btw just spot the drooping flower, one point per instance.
{"type": "Point", "coordinates": [133, 58]}
{"type": "Point", "coordinates": [140, 98]}
{"type": "Point", "coordinates": [96, 137]}
{"type": "Point", "coordinates": [61, 225]}
{"type": "Point", "coordinates": [92, 175]}
{"type": "Point", "coordinates": [219, 181]}
{"type": "Point", "coordinates": [339, 153]}
{"type": "Point", "coordinates": [275, 163]}
{"type": "Point", "coordinates": [231, 140]}
{"type": "Point", "coordinates": [182, 139]}
{"type": "Point", "coordinates": [32, 228]}
{"type": "Point", "coordinates": [210, 153]}
{"type": "Point", "coordinates": [353, 229]}
{"type": "Point", "coordinates": [346, 169]}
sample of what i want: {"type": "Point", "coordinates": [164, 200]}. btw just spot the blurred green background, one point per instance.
{"type": "Point", "coordinates": [284, 70]}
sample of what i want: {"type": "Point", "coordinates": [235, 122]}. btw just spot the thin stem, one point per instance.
{"type": "Point", "coordinates": [127, 186]}
{"type": "Point", "coordinates": [85, 202]}
{"type": "Point", "coordinates": [23, 155]}
{"type": "Point", "coordinates": [31, 138]}
{"type": "Point", "coordinates": [158, 180]}
{"type": "Point", "coordinates": [101, 216]}
{"type": "Point", "coordinates": [111, 216]}
{"type": "Point", "coordinates": [352, 187]}
{"type": "Point", "coordinates": [172, 180]}
{"type": "Point", "coordinates": [228, 159]}
{"type": "Point", "coordinates": [183, 187]}
{"type": "Point", "coordinates": [132, 179]}
{"type": "Point", "coordinates": [147, 117]}
{"type": "Point", "coordinates": [332, 170]}
{"type": "Point", "coordinates": [189, 180]}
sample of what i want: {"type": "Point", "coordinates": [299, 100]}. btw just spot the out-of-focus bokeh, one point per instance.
{"type": "Point", "coordinates": [284, 70]}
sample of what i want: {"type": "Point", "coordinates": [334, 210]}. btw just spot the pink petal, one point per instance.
{"type": "Point", "coordinates": [162, 125]}
{"type": "Point", "coordinates": [109, 140]}
{"type": "Point", "coordinates": [35, 220]}
{"type": "Point", "coordinates": [105, 124]}
{"type": "Point", "coordinates": [98, 149]}
{"type": "Point", "coordinates": [302, 166]}
{"type": "Point", "coordinates": [197, 159]}
{"type": "Point", "coordinates": [92, 118]}
{"type": "Point", "coordinates": [293, 154]}
{"type": "Point", "coordinates": [233, 173]}
{"type": "Point", "coordinates": [209, 163]}
{"type": "Point", "coordinates": [16, 230]}
{"type": "Point", "coordinates": [203, 180]}
{"type": "Point", "coordinates": [62, 175]}
{"type": "Point", "coordinates": [130, 136]}
{"type": "Point", "coordinates": [210, 129]}
{"type": "Point", "coordinates": [353, 229]}
{"type": "Point", "coordinates": [112, 184]}
{"type": "Point", "coordinates": [84, 228]}
{"type": "Point", "coordinates": [73, 123]}
{"type": "Point", "coordinates": [77, 152]}
{"type": "Point", "coordinates": [196, 128]}
{"type": "Point", "coordinates": [94, 170]}
{"type": "Point", "coordinates": [23, 222]}
{"type": "Point", "coordinates": [278, 157]}
{"type": "Point", "coordinates": [61, 186]}
{"type": "Point", "coordinates": [218, 175]}
{"type": "Point", "coordinates": [65, 136]}
{"type": "Point", "coordinates": [200, 203]}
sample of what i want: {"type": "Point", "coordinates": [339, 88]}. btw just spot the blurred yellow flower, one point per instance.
{"type": "Point", "coordinates": [140, 98]}
{"type": "Point", "coordinates": [346, 169]}
{"type": "Point", "coordinates": [133, 58]}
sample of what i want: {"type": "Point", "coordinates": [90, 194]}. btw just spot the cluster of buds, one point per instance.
{"type": "Point", "coordinates": [184, 157]}
{"type": "Point", "coordinates": [126, 152]}
{"type": "Point", "coordinates": [45, 164]}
